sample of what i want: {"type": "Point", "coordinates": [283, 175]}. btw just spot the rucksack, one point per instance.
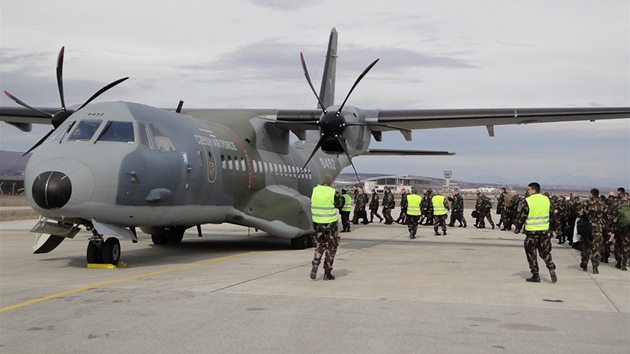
{"type": "Point", "coordinates": [624, 215]}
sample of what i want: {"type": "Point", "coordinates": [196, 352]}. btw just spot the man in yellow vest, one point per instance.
{"type": "Point", "coordinates": [324, 204]}
{"type": "Point", "coordinates": [345, 211]}
{"type": "Point", "coordinates": [413, 211]}
{"type": "Point", "coordinates": [535, 216]}
{"type": "Point", "coordinates": [440, 210]}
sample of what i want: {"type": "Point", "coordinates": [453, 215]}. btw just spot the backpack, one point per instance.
{"type": "Point", "coordinates": [624, 215]}
{"type": "Point", "coordinates": [584, 227]}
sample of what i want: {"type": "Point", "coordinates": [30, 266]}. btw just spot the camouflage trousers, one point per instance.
{"type": "Point", "coordinates": [622, 244]}
{"type": "Point", "coordinates": [592, 246]}
{"type": "Point", "coordinates": [387, 214]}
{"type": "Point", "coordinates": [439, 221]}
{"type": "Point", "coordinates": [538, 241]}
{"type": "Point", "coordinates": [412, 224]}
{"type": "Point", "coordinates": [326, 241]}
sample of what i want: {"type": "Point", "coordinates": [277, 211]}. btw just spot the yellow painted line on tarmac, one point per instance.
{"type": "Point", "coordinates": [115, 281]}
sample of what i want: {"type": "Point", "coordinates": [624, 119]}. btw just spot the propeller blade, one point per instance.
{"type": "Point", "coordinates": [101, 91]}
{"type": "Point", "coordinates": [39, 142]}
{"type": "Point", "coordinates": [18, 101]}
{"type": "Point", "coordinates": [345, 149]}
{"type": "Point", "coordinates": [321, 141]}
{"type": "Point", "coordinates": [60, 78]}
{"type": "Point", "coordinates": [357, 82]}
{"type": "Point", "coordinates": [308, 78]}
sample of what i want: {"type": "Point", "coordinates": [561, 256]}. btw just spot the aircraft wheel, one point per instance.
{"type": "Point", "coordinates": [161, 238]}
{"type": "Point", "coordinates": [302, 242]}
{"type": "Point", "coordinates": [175, 237]}
{"type": "Point", "coordinates": [94, 254]}
{"type": "Point", "coordinates": [111, 251]}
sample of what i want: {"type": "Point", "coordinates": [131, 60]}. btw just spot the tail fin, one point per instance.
{"type": "Point", "coordinates": [327, 91]}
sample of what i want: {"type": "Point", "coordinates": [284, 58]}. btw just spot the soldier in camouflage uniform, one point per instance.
{"type": "Point", "coordinates": [360, 201]}
{"type": "Point", "coordinates": [500, 203]}
{"type": "Point", "coordinates": [427, 207]}
{"type": "Point", "coordinates": [512, 209]}
{"type": "Point", "coordinates": [622, 235]}
{"type": "Point", "coordinates": [594, 210]}
{"type": "Point", "coordinates": [573, 206]}
{"type": "Point", "coordinates": [326, 236]}
{"type": "Point", "coordinates": [560, 212]}
{"type": "Point", "coordinates": [388, 204]}
{"type": "Point", "coordinates": [403, 207]}
{"type": "Point", "coordinates": [483, 207]}
{"type": "Point", "coordinates": [374, 203]}
{"type": "Point", "coordinates": [457, 214]}
{"type": "Point", "coordinates": [536, 232]}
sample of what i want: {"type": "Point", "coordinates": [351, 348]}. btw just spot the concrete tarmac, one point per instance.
{"type": "Point", "coordinates": [236, 290]}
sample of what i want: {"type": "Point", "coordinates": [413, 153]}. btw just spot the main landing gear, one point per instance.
{"type": "Point", "coordinates": [102, 251]}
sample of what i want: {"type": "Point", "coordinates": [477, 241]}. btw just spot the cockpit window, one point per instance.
{"type": "Point", "coordinates": [85, 130]}
{"type": "Point", "coordinates": [154, 139]}
{"type": "Point", "coordinates": [117, 131]}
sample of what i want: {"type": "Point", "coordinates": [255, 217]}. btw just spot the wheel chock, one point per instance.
{"type": "Point", "coordinates": [106, 266]}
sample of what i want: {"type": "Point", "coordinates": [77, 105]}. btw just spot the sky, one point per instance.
{"type": "Point", "coordinates": [433, 54]}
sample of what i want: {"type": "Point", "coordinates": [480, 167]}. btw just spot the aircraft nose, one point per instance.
{"type": "Point", "coordinates": [51, 190]}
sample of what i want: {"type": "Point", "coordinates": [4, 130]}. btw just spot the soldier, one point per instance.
{"type": "Point", "coordinates": [324, 204]}
{"type": "Point", "coordinates": [622, 233]}
{"type": "Point", "coordinates": [560, 212]}
{"type": "Point", "coordinates": [592, 209]}
{"type": "Point", "coordinates": [512, 209]}
{"type": "Point", "coordinates": [359, 207]}
{"type": "Point", "coordinates": [500, 203]}
{"type": "Point", "coordinates": [427, 206]}
{"type": "Point", "coordinates": [388, 204]}
{"type": "Point", "coordinates": [374, 207]}
{"type": "Point", "coordinates": [457, 213]}
{"type": "Point", "coordinates": [413, 212]}
{"type": "Point", "coordinates": [345, 211]}
{"type": "Point", "coordinates": [535, 216]}
{"type": "Point", "coordinates": [483, 207]}
{"type": "Point", "coordinates": [403, 207]}
{"type": "Point", "coordinates": [573, 206]}
{"type": "Point", "coordinates": [440, 211]}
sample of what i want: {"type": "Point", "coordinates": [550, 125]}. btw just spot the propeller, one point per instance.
{"type": "Point", "coordinates": [58, 118]}
{"type": "Point", "coordinates": [332, 123]}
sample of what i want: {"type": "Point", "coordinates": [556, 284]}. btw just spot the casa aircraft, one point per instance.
{"type": "Point", "coordinates": [114, 167]}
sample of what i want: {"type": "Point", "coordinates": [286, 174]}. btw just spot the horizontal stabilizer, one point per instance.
{"type": "Point", "coordinates": [407, 152]}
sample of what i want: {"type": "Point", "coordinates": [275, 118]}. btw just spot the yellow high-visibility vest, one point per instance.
{"type": "Point", "coordinates": [323, 205]}
{"type": "Point", "coordinates": [538, 217]}
{"type": "Point", "coordinates": [438, 205]}
{"type": "Point", "coordinates": [347, 205]}
{"type": "Point", "coordinates": [413, 204]}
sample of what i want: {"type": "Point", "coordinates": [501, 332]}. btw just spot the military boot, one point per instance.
{"type": "Point", "coordinates": [595, 270]}
{"type": "Point", "coordinates": [534, 279]}
{"type": "Point", "coordinates": [314, 271]}
{"type": "Point", "coordinates": [328, 276]}
{"type": "Point", "coordinates": [583, 265]}
{"type": "Point", "coordinates": [552, 273]}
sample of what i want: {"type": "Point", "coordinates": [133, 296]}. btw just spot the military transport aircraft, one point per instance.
{"type": "Point", "coordinates": [113, 167]}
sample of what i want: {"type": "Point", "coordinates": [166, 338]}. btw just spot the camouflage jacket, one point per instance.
{"type": "Point", "coordinates": [374, 202]}
{"type": "Point", "coordinates": [360, 201]}
{"type": "Point", "coordinates": [458, 203]}
{"type": "Point", "coordinates": [594, 210]}
{"type": "Point", "coordinates": [388, 201]}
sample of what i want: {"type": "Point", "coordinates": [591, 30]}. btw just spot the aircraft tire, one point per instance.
{"type": "Point", "coordinates": [111, 251]}
{"type": "Point", "coordinates": [161, 238]}
{"type": "Point", "coordinates": [175, 237]}
{"type": "Point", "coordinates": [302, 242]}
{"type": "Point", "coordinates": [94, 254]}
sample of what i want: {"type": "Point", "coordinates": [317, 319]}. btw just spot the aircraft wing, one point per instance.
{"type": "Point", "coordinates": [407, 120]}
{"type": "Point", "coordinates": [453, 118]}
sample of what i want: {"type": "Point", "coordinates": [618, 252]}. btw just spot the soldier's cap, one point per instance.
{"type": "Point", "coordinates": [343, 191]}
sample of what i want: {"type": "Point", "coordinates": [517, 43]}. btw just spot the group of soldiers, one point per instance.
{"type": "Point", "coordinates": [601, 214]}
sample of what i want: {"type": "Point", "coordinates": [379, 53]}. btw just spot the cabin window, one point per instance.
{"type": "Point", "coordinates": [266, 167]}
{"type": "Point", "coordinates": [223, 162]}
{"type": "Point", "coordinates": [260, 167]}
{"type": "Point", "coordinates": [236, 164]}
{"type": "Point", "coordinates": [200, 158]}
{"type": "Point", "coordinates": [154, 139]}
{"type": "Point", "coordinates": [85, 130]}
{"type": "Point", "coordinates": [243, 165]}
{"type": "Point", "coordinates": [255, 166]}
{"type": "Point", "coordinates": [117, 132]}
{"type": "Point", "coordinates": [230, 164]}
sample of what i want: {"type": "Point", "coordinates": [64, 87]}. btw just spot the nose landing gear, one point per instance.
{"type": "Point", "coordinates": [102, 251]}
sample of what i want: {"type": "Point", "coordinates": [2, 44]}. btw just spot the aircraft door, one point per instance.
{"type": "Point", "coordinates": [208, 155]}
